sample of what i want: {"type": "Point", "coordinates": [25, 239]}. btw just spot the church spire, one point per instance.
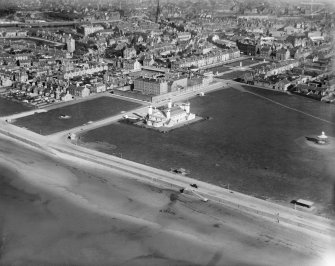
{"type": "Point", "coordinates": [158, 11]}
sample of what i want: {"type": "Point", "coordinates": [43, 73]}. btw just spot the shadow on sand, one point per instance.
{"type": "Point", "coordinates": [314, 140]}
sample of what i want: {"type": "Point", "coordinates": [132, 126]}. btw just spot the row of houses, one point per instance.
{"type": "Point", "coordinates": [211, 58]}
{"type": "Point", "coordinates": [63, 92]}
{"type": "Point", "coordinates": [276, 68]}
{"type": "Point", "coordinates": [305, 85]}
{"type": "Point", "coordinates": [13, 33]}
{"type": "Point", "coordinates": [85, 71]}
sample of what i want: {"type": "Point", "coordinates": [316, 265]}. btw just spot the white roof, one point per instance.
{"type": "Point", "coordinates": [306, 202]}
{"type": "Point", "coordinates": [323, 136]}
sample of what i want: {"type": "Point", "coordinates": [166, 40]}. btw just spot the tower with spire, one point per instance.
{"type": "Point", "coordinates": [158, 11]}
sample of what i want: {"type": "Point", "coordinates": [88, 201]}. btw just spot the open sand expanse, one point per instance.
{"type": "Point", "coordinates": [70, 212]}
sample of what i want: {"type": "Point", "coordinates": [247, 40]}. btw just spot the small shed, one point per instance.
{"type": "Point", "coordinates": [303, 203]}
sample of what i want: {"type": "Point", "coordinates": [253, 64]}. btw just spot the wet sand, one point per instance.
{"type": "Point", "coordinates": [56, 212]}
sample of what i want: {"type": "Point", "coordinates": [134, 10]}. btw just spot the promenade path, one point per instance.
{"type": "Point", "coordinates": [23, 114]}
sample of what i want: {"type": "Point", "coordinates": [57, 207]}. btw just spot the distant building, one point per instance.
{"type": "Point", "coordinates": [297, 40]}
{"type": "Point", "coordinates": [79, 91]}
{"type": "Point", "coordinates": [265, 51]}
{"type": "Point", "coordinates": [129, 53]}
{"type": "Point", "coordinates": [280, 67]}
{"type": "Point", "coordinates": [184, 36]}
{"type": "Point", "coordinates": [21, 76]}
{"type": "Point", "coordinates": [114, 15]}
{"type": "Point", "coordinates": [97, 88]}
{"type": "Point", "coordinates": [66, 97]}
{"type": "Point", "coordinates": [177, 83]}
{"type": "Point", "coordinates": [21, 57]}
{"type": "Point", "coordinates": [151, 86]}
{"type": "Point", "coordinates": [10, 33]}
{"type": "Point", "coordinates": [89, 29]}
{"type": "Point", "coordinates": [266, 40]}
{"type": "Point", "coordinates": [307, 89]}
{"type": "Point", "coordinates": [25, 63]}
{"type": "Point", "coordinates": [132, 65]}
{"type": "Point", "coordinates": [70, 44]}
{"type": "Point", "coordinates": [21, 33]}
{"type": "Point", "coordinates": [302, 53]}
{"type": "Point", "coordinates": [283, 54]}
{"type": "Point", "coordinates": [247, 47]}
{"type": "Point", "coordinates": [84, 71]}
{"type": "Point", "coordinates": [148, 61]}
{"type": "Point", "coordinates": [211, 58]}
{"type": "Point", "coordinates": [283, 84]}
{"type": "Point", "coordinates": [316, 33]}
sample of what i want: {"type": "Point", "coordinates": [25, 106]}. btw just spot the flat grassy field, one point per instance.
{"type": "Point", "coordinates": [80, 113]}
{"type": "Point", "coordinates": [8, 107]}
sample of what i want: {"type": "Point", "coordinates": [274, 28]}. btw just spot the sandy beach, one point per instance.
{"type": "Point", "coordinates": [61, 212]}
